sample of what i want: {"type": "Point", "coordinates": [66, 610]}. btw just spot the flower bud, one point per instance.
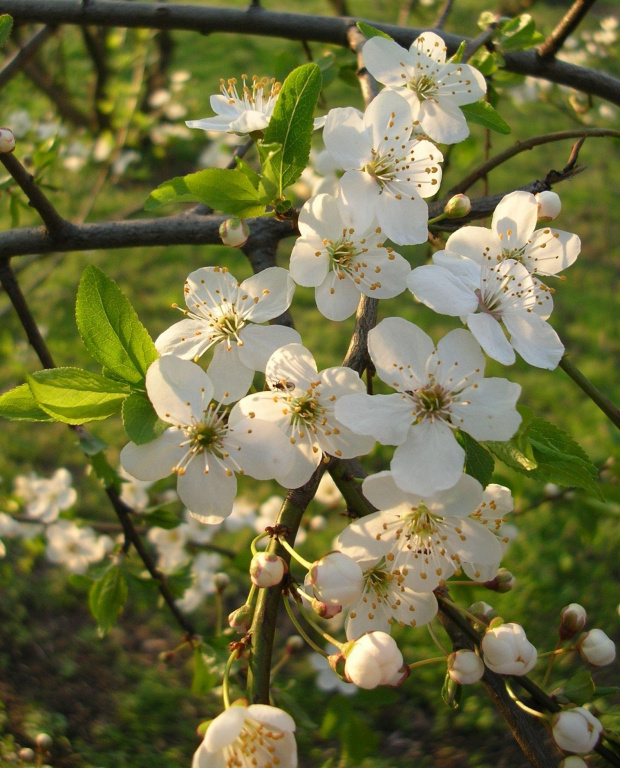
{"type": "Point", "coordinates": [221, 581]}
{"type": "Point", "coordinates": [504, 581]}
{"type": "Point", "coordinates": [465, 667]}
{"type": "Point", "coordinates": [241, 619]}
{"type": "Point", "coordinates": [234, 232]}
{"type": "Point", "coordinates": [294, 644]}
{"type": "Point", "coordinates": [576, 730]}
{"type": "Point", "coordinates": [572, 620]}
{"type": "Point", "coordinates": [375, 660]}
{"type": "Point", "coordinates": [507, 650]}
{"type": "Point", "coordinates": [26, 755]}
{"type": "Point", "coordinates": [325, 611]}
{"type": "Point", "coordinates": [483, 611]}
{"type": "Point", "coordinates": [43, 741]}
{"type": "Point", "coordinates": [596, 648]}
{"type": "Point", "coordinates": [7, 140]}
{"type": "Point", "coordinates": [338, 662]}
{"type": "Point", "coordinates": [457, 207]}
{"type": "Point", "coordinates": [549, 205]}
{"type": "Point", "coordinates": [573, 761]}
{"type": "Point", "coordinates": [337, 579]}
{"type": "Point", "coordinates": [267, 569]}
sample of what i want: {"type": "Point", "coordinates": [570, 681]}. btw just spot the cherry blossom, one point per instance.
{"type": "Point", "coordinates": [75, 547]}
{"type": "Point", "coordinates": [247, 737]}
{"type": "Point", "coordinates": [386, 172]}
{"type": "Point", "coordinates": [225, 314]}
{"type": "Point", "coordinates": [301, 404]}
{"type": "Point", "coordinates": [342, 254]}
{"type": "Point", "coordinates": [46, 498]}
{"type": "Point", "coordinates": [205, 567]}
{"type": "Point", "coordinates": [433, 88]}
{"type": "Point", "coordinates": [439, 390]}
{"type": "Point", "coordinates": [507, 650]}
{"type": "Point", "coordinates": [200, 447]}
{"type": "Point", "coordinates": [576, 730]}
{"type": "Point", "coordinates": [374, 660]}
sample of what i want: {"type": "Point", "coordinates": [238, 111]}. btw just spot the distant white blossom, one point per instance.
{"type": "Point", "coordinates": [75, 547]}
{"type": "Point", "coordinates": [46, 498]}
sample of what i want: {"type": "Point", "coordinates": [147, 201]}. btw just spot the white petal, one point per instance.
{"type": "Point", "coordinates": [404, 221]}
{"type": "Point", "coordinates": [459, 501]}
{"type": "Point", "coordinates": [292, 363]}
{"type": "Point", "coordinates": [515, 218]}
{"type": "Point", "coordinates": [388, 116]}
{"type": "Point", "coordinates": [387, 418]}
{"type": "Point", "coordinates": [430, 460]}
{"type": "Point", "coordinates": [491, 337]}
{"type": "Point", "coordinates": [488, 412]}
{"type": "Point", "coordinates": [443, 121]}
{"type": "Point", "coordinates": [360, 540]}
{"type": "Point", "coordinates": [154, 460]}
{"type": "Point", "coordinates": [180, 391]}
{"type": "Point", "coordinates": [321, 215]}
{"type": "Point", "coordinates": [414, 608]}
{"type": "Point", "coordinates": [263, 452]}
{"type": "Point", "coordinates": [472, 541]}
{"type": "Point", "coordinates": [224, 729]}
{"type": "Point", "coordinates": [337, 298]}
{"type": "Point", "coordinates": [461, 84]}
{"type": "Point", "coordinates": [387, 61]}
{"type": "Point", "coordinates": [459, 361]}
{"type": "Point", "coordinates": [186, 339]}
{"type": "Point", "coordinates": [477, 243]}
{"type": "Point", "coordinates": [383, 493]}
{"type": "Point", "coordinates": [210, 286]}
{"type": "Point", "coordinates": [535, 340]}
{"type": "Point", "coordinates": [346, 138]}
{"type": "Point", "coordinates": [339, 381]}
{"type": "Point", "coordinates": [261, 341]}
{"type": "Point", "coordinates": [467, 270]}
{"type": "Point", "coordinates": [272, 716]}
{"type": "Point", "coordinates": [400, 351]}
{"type": "Point", "coordinates": [442, 291]}
{"type": "Point", "coordinates": [359, 621]}
{"type": "Point", "coordinates": [209, 496]}
{"type": "Point", "coordinates": [230, 377]}
{"type": "Point", "coordinates": [431, 45]}
{"type": "Point", "coordinates": [250, 120]}
{"type": "Point", "coordinates": [550, 251]}
{"type": "Point", "coordinates": [269, 294]}
{"type": "Point", "coordinates": [361, 192]}
{"type": "Point", "coordinates": [309, 263]}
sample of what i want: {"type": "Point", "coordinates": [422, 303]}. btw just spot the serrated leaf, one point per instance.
{"type": "Point", "coordinates": [269, 161]}
{"type": "Point", "coordinates": [203, 679]}
{"type": "Point", "coordinates": [370, 32]}
{"type": "Point", "coordinates": [75, 396]}
{"type": "Point", "coordinates": [110, 328]}
{"type": "Point", "coordinates": [106, 599]}
{"type": "Point", "coordinates": [140, 420]}
{"type": "Point", "coordinates": [482, 113]}
{"type": "Point", "coordinates": [478, 461]}
{"type": "Point", "coordinates": [223, 189]}
{"type": "Point", "coordinates": [512, 455]}
{"type": "Point", "coordinates": [6, 25]}
{"type": "Point", "coordinates": [19, 404]}
{"type": "Point", "coordinates": [291, 124]}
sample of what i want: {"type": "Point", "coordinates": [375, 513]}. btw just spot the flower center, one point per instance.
{"type": "Point", "coordinates": [378, 579]}
{"type": "Point", "coordinates": [424, 87]}
{"type": "Point", "coordinates": [304, 410]}
{"type": "Point", "coordinates": [259, 96]}
{"type": "Point", "coordinates": [342, 253]}
{"type": "Point", "coordinates": [382, 168]}
{"type": "Point", "coordinates": [255, 743]}
{"type": "Point", "coordinates": [226, 324]}
{"type": "Point", "coordinates": [431, 403]}
{"type": "Point", "coordinates": [206, 437]}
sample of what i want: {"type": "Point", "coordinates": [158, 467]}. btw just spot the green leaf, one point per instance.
{"type": "Point", "coordinates": [484, 61]}
{"type": "Point", "coordinates": [270, 159]}
{"type": "Point", "coordinates": [458, 56]}
{"type": "Point", "coordinates": [369, 31]}
{"type": "Point", "coordinates": [203, 679]}
{"type": "Point", "coordinates": [140, 420]}
{"type": "Point", "coordinates": [162, 518]}
{"type": "Point", "coordinates": [517, 34]}
{"type": "Point", "coordinates": [110, 328]}
{"type": "Point", "coordinates": [482, 113]}
{"type": "Point", "coordinates": [291, 124]}
{"type": "Point", "coordinates": [19, 404]}
{"type": "Point", "coordinates": [580, 688]}
{"type": "Point", "coordinates": [223, 189]}
{"type": "Point", "coordinates": [106, 599]}
{"type": "Point", "coordinates": [478, 461]}
{"type": "Point", "coordinates": [75, 396]}
{"type": "Point", "coordinates": [6, 24]}
{"type": "Point", "coordinates": [250, 173]}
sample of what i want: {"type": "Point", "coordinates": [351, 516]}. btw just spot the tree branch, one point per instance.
{"type": "Point", "coordinates": [569, 23]}
{"type": "Point", "coordinates": [24, 54]}
{"type": "Point", "coordinates": [597, 397]}
{"type": "Point", "coordinates": [292, 26]}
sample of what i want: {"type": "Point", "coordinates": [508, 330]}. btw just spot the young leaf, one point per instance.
{"type": "Point", "coordinates": [75, 396]}
{"type": "Point", "coordinates": [482, 113]}
{"type": "Point", "coordinates": [478, 461]}
{"type": "Point", "coordinates": [110, 328]}
{"type": "Point", "coordinates": [203, 679]}
{"type": "Point", "coordinates": [517, 34]}
{"type": "Point", "coordinates": [106, 599]}
{"type": "Point", "coordinates": [140, 420]}
{"type": "Point", "coordinates": [6, 24]}
{"type": "Point", "coordinates": [162, 518]}
{"type": "Point", "coordinates": [369, 31]}
{"type": "Point", "coordinates": [227, 190]}
{"type": "Point", "coordinates": [19, 405]}
{"type": "Point", "coordinates": [291, 124]}
{"type": "Point", "coordinates": [458, 56]}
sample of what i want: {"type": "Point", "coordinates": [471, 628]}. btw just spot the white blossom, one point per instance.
{"type": "Point", "coordinates": [170, 546]}
{"type": "Point", "coordinates": [465, 667]}
{"type": "Point", "coordinates": [576, 730]}
{"type": "Point", "coordinates": [438, 390]}
{"type": "Point", "coordinates": [248, 737]}
{"type": "Point", "coordinates": [336, 579]}
{"type": "Point", "coordinates": [200, 447]}
{"type": "Point", "coordinates": [205, 567]}
{"type": "Point", "coordinates": [433, 88]}
{"type": "Point", "coordinates": [507, 650]}
{"type": "Point", "coordinates": [46, 498]}
{"type": "Point", "coordinates": [341, 254]}
{"type": "Point", "coordinates": [226, 314]}
{"type": "Point", "coordinates": [267, 569]}
{"type": "Point", "coordinates": [301, 404]}
{"type": "Point", "coordinates": [375, 660]}
{"type": "Point", "coordinates": [134, 491]}
{"type": "Point", "coordinates": [75, 547]}
{"type": "Point", "coordinates": [597, 648]}
{"type": "Point", "coordinates": [387, 173]}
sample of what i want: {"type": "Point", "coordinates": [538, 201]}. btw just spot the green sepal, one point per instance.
{"type": "Point", "coordinates": [370, 32]}
{"type": "Point", "coordinates": [140, 420]}
{"type": "Point", "coordinates": [19, 404]}
{"type": "Point", "coordinates": [482, 113]}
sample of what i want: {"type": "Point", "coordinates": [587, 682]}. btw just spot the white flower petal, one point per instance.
{"type": "Point", "coordinates": [387, 418]}
{"type": "Point", "coordinates": [209, 496]}
{"type": "Point", "coordinates": [249, 121]}
{"type": "Point", "coordinates": [292, 363]}
{"type": "Point", "coordinates": [388, 116]}
{"type": "Point", "coordinates": [261, 341]}
{"type": "Point", "coordinates": [515, 218]}
{"type": "Point", "coordinates": [443, 121]}
{"type": "Point", "coordinates": [346, 138]}
{"type": "Point", "coordinates": [461, 84]}
{"type": "Point", "coordinates": [321, 216]}
{"type": "Point", "coordinates": [360, 191]}
{"type": "Point", "coordinates": [459, 361]}
{"type": "Point", "coordinates": [550, 251]}
{"type": "Point", "coordinates": [404, 220]}
{"type": "Point", "coordinates": [535, 340]}
{"type": "Point", "coordinates": [431, 45]}
{"type": "Point", "coordinates": [186, 339]}
{"type": "Point", "coordinates": [387, 61]}
{"type": "Point", "coordinates": [178, 389]}
{"type": "Point", "coordinates": [491, 337]}
{"type": "Point", "coordinates": [154, 460]}
{"type": "Point", "coordinates": [309, 263]}
{"type": "Point", "coordinates": [337, 298]}
{"type": "Point", "coordinates": [272, 716]}
{"type": "Point", "coordinates": [269, 293]}
{"type": "Point", "coordinates": [224, 729]}
{"type": "Point", "coordinates": [393, 341]}
{"type": "Point", "coordinates": [263, 450]}
{"type": "Point", "coordinates": [442, 291]}
{"type": "Point", "coordinates": [488, 412]}
{"type": "Point", "coordinates": [230, 377]}
{"type": "Point", "coordinates": [383, 493]}
{"type": "Point", "coordinates": [477, 243]}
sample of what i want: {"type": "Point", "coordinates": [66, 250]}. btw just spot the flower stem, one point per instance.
{"type": "Point", "coordinates": [552, 655]}
{"type": "Point", "coordinates": [226, 678]}
{"type": "Point", "coordinates": [255, 542]}
{"type": "Point", "coordinates": [301, 631]}
{"type": "Point", "coordinates": [424, 662]}
{"type": "Point", "coordinates": [295, 555]}
{"type": "Point", "coordinates": [436, 640]}
{"type": "Point", "coordinates": [608, 408]}
{"type": "Point", "coordinates": [319, 629]}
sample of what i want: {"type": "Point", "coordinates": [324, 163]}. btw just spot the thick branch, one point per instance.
{"type": "Point", "coordinates": [567, 26]}
{"type": "Point", "coordinates": [292, 26]}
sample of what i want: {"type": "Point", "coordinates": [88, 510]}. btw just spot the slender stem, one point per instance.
{"type": "Point", "coordinates": [521, 705]}
{"type": "Point", "coordinates": [301, 630]}
{"type": "Point", "coordinates": [424, 662]}
{"type": "Point", "coordinates": [255, 541]}
{"type": "Point", "coordinates": [435, 639]}
{"type": "Point", "coordinates": [226, 679]}
{"type": "Point", "coordinates": [479, 41]}
{"type": "Point", "coordinates": [25, 52]}
{"type": "Point", "coordinates": [302, 561]}
{"type": "Point", "coordinates": [566, 27]}
{"type": "Point", "coordinates": [597, 397]}
{"type": "Point", "coordinates": [325, 635]}
{"type": "Point", "coordinates": [552, 658]}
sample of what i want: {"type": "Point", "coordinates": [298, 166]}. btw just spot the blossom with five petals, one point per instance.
{"type": "Point", "coordinates": [439, 390]}
{"type": "Point", "coordinates": [224, 313]}
{"type": "Point", "coordinates": [387, 173]}
{"type": "Point", "coordinates": [433, 88]}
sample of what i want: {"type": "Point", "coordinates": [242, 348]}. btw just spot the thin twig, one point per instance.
{"type": "Point", "coordinates": [444, 12]}
{"type": "Point", "coordinates": [98, 54]}
{"type": "Point", "coordinates": [16, 62]}
{"type": "Point", "coordinates": [567, 26]}
{"type": "Point", "coordinates": [597, 397]}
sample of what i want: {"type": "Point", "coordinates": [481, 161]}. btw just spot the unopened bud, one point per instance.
{"type": "Point", "coordinates": [337, 579]}
{"type": "Point", "coordinates": [457, 207]}
{"type": "Point", "coordinates": [323, 610]}
{"type": "Point", "coordinates": [573, 761]}
{"type": "Point", "coordinates": [483, 611]}
{"type": "Point", "coordinates": [507, 650]}
{"type": "Point", "coordinates": [26, 755]}
{"type": "Point", "coordinates": [165, 656]}
{"type": "Point", "coordinates": [576, 730]}
{"type": "Point", "coordinates": [234, 232]}
{"type": "Point", "coordinates": [549, 205]}
{"type": "Point", "coordinates": [375, 660]}
{"type": "Point", "coordinates": [43, 741]}
{"type": "Point", "coordinates": [597, 648]}
{"type": "Point", "coordinates": [267, 569]}
{"type": "Point", "coordinates": [221, 581]}
{"type": "Point", "coordinates": [294, 644]}
{"type": "Point", "coordinates": [503, 582]}
{"type": "Point", "coordinates": [241, 619]}
{"type": "Point", "coordinates": [465, 667]}
{"type": "Point", "coordinates": [572, 620]}
{"type": "Point", "coordinates": [7, 140]}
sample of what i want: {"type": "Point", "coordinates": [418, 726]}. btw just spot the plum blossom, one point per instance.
{"type": "Point", "coordinates": [427, 537]}
{"type": "Point", "coordinates": [75, 547]}
{"type": "Point", "coordinates": [507, 650]}
{"type": "Point", "coordinates": [170, 546]}
{"type": "Point", "coordinates": [375, 659]}
{"type": "Point", "coordinates": [225, 314]}
{"type": "Point", "coordinates": [46, 498]}
{"type": "Point", "coordinates": [433, 88]}
{"type": "Point", "coordinates": [489, 298]}
{"type": "Point", "coordinates": [247, 737]}
{"type": "Point", "coordinates": [576, 730]}
{"type": "Point", "coordinates": [301, 404]}
{"type": "Point", "coordinates": [439, 390]}
{"type": "Point", "coordinates": [205, 567]}
{"type": "Point", "coordinates": [387, 173]}
{"type": "Point", "coordinates": [341, 254]}
{"type": "Point", "coordinates": [200, 447]}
